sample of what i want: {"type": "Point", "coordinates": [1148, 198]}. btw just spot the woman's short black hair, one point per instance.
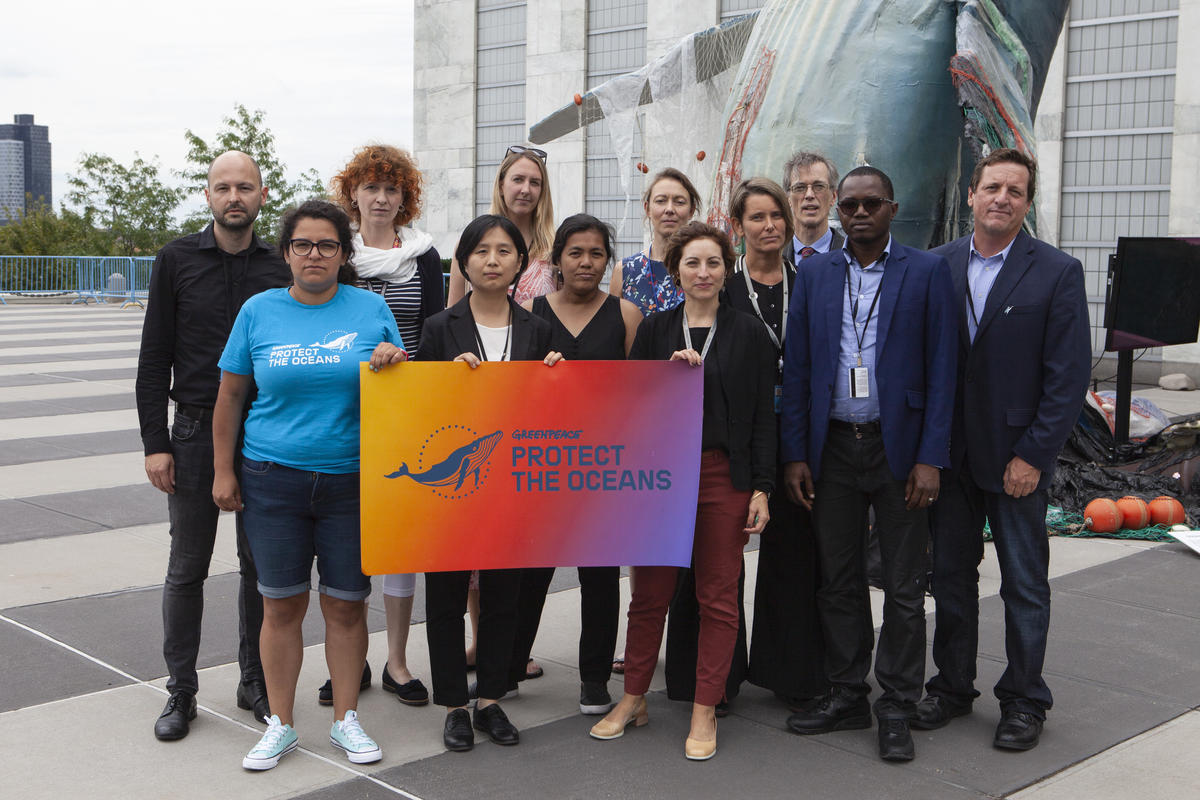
{"type": "Point", "coordinates": [477, 229]}
{"type": "Point", "coordinates": [580, 223]}
{"type": "Point", "coordinates": [320, 209]}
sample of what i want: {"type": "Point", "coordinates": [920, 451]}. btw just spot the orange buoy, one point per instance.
{"type": "Point", "coordinates": [1102, 516]}
{"type": "Point", "coordinates": [1134, 512]}
{"type": "Point", "coordinates": [578, 99]}
{"type": "Point", "coordinates": [700, 156]}
{"type": "Point", "coordinates": [1166, 510]}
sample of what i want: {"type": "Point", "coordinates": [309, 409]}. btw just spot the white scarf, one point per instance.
{"type": "Point", "coordinates": [396, 264]}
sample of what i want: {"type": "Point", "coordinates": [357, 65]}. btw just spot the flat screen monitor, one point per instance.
{"type": "Point", "coordinates": [1153, 293]}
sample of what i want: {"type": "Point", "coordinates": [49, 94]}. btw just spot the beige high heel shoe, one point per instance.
{"type": "Point", "coordinates": [697, 750]}
{"type": "Point", "coordinates": [606, 729]}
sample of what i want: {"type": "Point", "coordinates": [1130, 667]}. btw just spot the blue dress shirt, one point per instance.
{"type": "Point", "coordinates": [863, 286]}
{"type": "Point", "coordinates": [981, 275]}
{"type": "Point", "coordinates": [820, 245]}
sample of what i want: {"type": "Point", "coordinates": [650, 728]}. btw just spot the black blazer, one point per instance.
{"type": "Point", "coordinates": [789, 250]}
{"type": "Point", "coordinates": [451, 333]}
{"type": "Point", "coordinates": [746, 363]}
{"type": "Point", "coordinates": [433, 283]}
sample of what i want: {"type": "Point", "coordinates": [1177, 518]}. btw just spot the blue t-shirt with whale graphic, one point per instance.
{"type": "Point", "coordinates": [305, 360]}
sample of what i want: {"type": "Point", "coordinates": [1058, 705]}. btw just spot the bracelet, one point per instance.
{"type": "Point", "coordinates": [757, 492]}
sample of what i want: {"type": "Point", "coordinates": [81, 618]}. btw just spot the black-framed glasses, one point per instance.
{"type": "Point", "coordinates": [533, 151]}
{"type": "Point", "coordinates": [802, 188]}
{"type": "Point", "coordinates": [849, 206]}
{"type": "Point", "coordinates": [326, 248]}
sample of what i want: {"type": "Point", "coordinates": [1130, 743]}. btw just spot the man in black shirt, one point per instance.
{"type": "Point", "coordinates": [198, 284]}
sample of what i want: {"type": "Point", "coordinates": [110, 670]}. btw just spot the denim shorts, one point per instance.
{"type": "Point", "coordinates": [292, 515]}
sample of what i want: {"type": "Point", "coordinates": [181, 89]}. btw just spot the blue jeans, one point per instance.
{"type": "Point", "coordinates": [1023, 552]}
{"type": "Point", "coordinates": [293, 515]}
{"type": "Point", "coordinates": [193, 518]}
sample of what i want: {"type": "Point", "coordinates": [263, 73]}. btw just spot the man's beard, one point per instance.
{"type": "Point", "coordinates": [235, 224]}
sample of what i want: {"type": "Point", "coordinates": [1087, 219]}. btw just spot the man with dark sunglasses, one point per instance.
{"type": "Point", "coordinates": [197, 285]}
{"type": "Point", "coordinates": [868, 391]}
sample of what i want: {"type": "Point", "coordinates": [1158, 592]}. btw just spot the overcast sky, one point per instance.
{"type": "Point", "coordinates": [123, 76]}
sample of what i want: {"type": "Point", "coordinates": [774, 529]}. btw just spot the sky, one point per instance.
{"type": "Point", "coordinates": [124, 77]}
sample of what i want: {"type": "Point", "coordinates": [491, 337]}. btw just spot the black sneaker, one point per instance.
{"type": "Point", "coordinates": [594, 698]}
{"type": "Point", "coordinates": [325, 693]}
{"type": "Point", "coordinates": [895, 739]}
{"type": "Point", "coordinates": [840, 711]}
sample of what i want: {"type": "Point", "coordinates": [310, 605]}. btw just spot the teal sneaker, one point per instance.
{"type": "Point", "coordinates": [349, 736]}
{"type": "Point", "coordinates": [277, 742]}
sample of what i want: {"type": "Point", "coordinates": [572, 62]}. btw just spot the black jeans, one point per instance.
{"type": "Point", "coordinates": [193, 516]}
{"type": "Point", "coordinates": [599, 614]}
{"type": "Point", "coordinates": [855, 475]}
{"type": "Point", "coordinates": [445, 604]}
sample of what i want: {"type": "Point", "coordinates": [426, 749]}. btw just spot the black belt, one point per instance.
{"type": "Point", "coordinates": [194, 412]}
{"type": "Point", "coordinates": [859, 429]}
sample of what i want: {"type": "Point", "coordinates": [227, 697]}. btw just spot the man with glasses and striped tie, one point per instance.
{"type": "Point", "coordinates": [810, 179]}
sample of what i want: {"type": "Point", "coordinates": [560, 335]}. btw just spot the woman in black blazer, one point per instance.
{"type": "Point", "coordinates": [737, 475]}
{"type": "Point", "coordinates": [486, 325]}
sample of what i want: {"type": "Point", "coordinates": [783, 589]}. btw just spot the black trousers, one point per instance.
{"type": "Point", "coordinates": [855, 475]}
{"type": "Point", "coordinates": [599, 613]}
{"type": "Point", "coordinates": [445, 604]}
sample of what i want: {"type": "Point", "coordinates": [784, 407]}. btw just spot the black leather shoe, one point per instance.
{"type": "Point", "coordinates": [1018, 730]}
{"type": "Point", "coordinates": [840, 711]}
{"type": "Point", "coordinates": [173, 722]}
{"type": "Point", "coordinates": [412, 693]}
{"type": "Point", "coordinates": [325, 693]}
{"type": "Point", "coordinates": [457, 735]}
{"type": "Point", "coordinates": [935, 711]}
{"type": "Point", "coordinates": [252, 696]}
{"type": "Point", "coordinates": [494, 722]}
{"type": "Point", "coordinates": [895, 740]}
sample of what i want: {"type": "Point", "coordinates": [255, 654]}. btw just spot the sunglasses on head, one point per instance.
{"type": "Point", "coordinates": [850, 205]}
{"type": "Point", "coordinates": [533, 151]}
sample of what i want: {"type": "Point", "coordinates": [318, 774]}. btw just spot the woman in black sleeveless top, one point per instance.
{"type": "Point", "coordinates": [588, 325]}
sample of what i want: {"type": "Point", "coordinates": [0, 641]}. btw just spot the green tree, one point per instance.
{"type": "Point", "coordinates": [43, 233]}
{"type": "Point", "coordinates": [130, 201]}
{"type": "Point", "coordinates": [247, 131]}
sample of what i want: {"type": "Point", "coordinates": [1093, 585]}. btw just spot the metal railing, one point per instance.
{"type": "Point", "coordinates": [108, 279]}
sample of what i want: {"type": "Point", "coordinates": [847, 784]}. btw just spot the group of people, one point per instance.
{"type": "Point", "coordinates": [842, 373]}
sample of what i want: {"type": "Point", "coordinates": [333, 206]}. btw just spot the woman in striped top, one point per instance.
{"type": "Point", "coordinates": [381, 191]}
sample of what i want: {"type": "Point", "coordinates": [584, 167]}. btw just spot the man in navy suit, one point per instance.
{"type": "Point", "coordinates": [868, 392]}
{"type": "Point", "coordinates": [1023, 367]}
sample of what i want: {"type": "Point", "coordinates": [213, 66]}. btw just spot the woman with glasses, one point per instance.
{"type": "Point", "coordinates": [298, 489]}
{"type": "Point", "coordinates": [670, 201]}
{"type": "Point", "coordinates": [786, 650]}
{"type": "Point", "coordinates": [380, 189]}
{"type": "Point", "coordinates": [737, 475]}
{"type": "Point", "coordinates": [486, 325]}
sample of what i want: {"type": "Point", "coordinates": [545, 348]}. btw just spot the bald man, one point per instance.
{"type": "Point", "coordinates": [198, 284]}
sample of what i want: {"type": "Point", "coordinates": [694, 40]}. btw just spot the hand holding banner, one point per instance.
{"type": "Point", "coordinates": [590, 463]}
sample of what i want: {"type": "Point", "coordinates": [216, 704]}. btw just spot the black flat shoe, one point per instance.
{"type": "Point", "coordinates": [494, 722]}
{"type": "Point", "coordinates": [325, 693]}
{"type": "Point", "coordinates": [1018, 730]}
{"type": "Point", "coordinates": [252, 696]}
{"type": "Point", "coordinates": [457, 735]}
{"type": "Point", "coordinates": [840, 711]}
{"type": "Point", "coordinates": [412, 693]}
{"type": "Point", "coordinates": [172, 723]}
{"type": "Point", "coordinates": [935, 711]}
{"type": "Point", "coordinates": [895, 740]}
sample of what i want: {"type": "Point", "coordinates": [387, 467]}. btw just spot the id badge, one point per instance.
{"type": "Point", "coordinates": [860, 386]}
{"type": "Point", "coordinates": [778, 398]}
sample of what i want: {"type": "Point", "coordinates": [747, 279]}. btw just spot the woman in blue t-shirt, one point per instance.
{"type": "Point", "coordinates": [299, 493]}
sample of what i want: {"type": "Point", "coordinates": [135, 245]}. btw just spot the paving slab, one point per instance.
{"type": "Point", "coordinates": [73, 474]}
{"type": "Point", "coordinates": [44, 365]}
{"type": "Point", "coordinates": [118, 399]}
{"type": "Point", "coordinates": [27, 380]}
{"type": "Point", "coordinates": [115, 507]}
{"type": "Point", "coordinates": [49, 448]}
{"type": "Point", "coordinates": [37, 671]}
{"type": "Point", "coordinates": [21, 521]}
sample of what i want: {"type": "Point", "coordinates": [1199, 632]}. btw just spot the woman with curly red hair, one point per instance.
{"type": "Point", "coordinates": [381, 191]}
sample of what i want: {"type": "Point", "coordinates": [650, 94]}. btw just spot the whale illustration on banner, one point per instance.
{"type": "Point", "coordinates": [455, 468]}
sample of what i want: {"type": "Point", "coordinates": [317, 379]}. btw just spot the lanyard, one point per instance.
{"type": "Point", "coordinates": [775, 340]}
{"type": "Point", "coordinates": [853, 298]}
{"type": "Point", "coordinates": [971, 305]}
{"type": "Point", "coordinates": [687, 336]}
{"type": "Point", "coordinates": [504, 356]}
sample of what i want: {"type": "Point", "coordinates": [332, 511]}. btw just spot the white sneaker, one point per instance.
{"type": "Point", "coordinates": [278, 741]}
{"type": "Point", "coordinates": [349, 736]}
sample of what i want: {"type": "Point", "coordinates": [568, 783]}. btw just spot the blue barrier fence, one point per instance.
{"type": "Point", "coordinates": [112, 279]}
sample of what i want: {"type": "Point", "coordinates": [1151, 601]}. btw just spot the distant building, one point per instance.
{"type": "Point", "coordinates": [24, 152]}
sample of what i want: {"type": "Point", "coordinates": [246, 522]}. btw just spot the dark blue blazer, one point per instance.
{"type": "Point", "coordinates": [1023, 381]}
{"type": "Point", "coordinates": [914, 370]}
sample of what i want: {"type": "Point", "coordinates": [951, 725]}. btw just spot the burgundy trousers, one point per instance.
{"type": "Point", "coordinates": [717, 557]}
